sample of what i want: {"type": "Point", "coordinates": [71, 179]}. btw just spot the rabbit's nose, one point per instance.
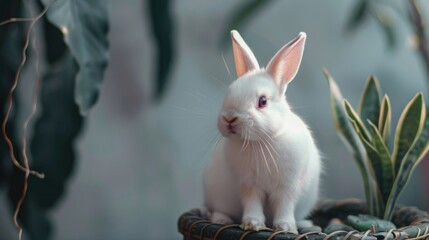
{"type": "Point", "coordinates": [230, 120]}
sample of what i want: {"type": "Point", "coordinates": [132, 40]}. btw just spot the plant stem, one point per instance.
{"type": "Point", "coordinates": [420, 33]}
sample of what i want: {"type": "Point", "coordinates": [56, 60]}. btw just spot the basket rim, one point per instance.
{"type": "Point", "coordinates": [193, 225]}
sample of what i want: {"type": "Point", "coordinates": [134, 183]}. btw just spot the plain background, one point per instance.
{"type": "Point", "coordinates": [140, 163]}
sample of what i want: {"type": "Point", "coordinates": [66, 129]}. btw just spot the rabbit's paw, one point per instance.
{"type": "Point", "coordinates": [289, 226]}
{"type": "Point", "coordinates": [253, 223]}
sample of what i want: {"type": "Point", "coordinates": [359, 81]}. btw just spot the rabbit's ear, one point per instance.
{"type": "Point", "coordinates": [285, 64]}
{"type": "Point", "coordinates": [245, 61]}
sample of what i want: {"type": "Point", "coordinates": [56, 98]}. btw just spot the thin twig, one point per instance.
{"type": "Point", "coordinates": [420, 32]}
{"type": "Point", "coordinates": [12, 90]}
{"type": "Point", "coordinates": [24, 133]}
{"type": "Point", "coordinates": [12, 20]}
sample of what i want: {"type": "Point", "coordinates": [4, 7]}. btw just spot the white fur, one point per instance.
{"type": "Point", "coordinates": [265, 172]}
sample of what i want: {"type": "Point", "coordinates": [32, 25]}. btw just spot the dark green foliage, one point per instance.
{"type": "Point", "coordinates": [11, 42]}
{"type": "Point", "coordinates": [75, 39]}
{"type": "Point", "coordinates": [56, 129]}
{"type": "Point", "coordinates": [163, 32]}
{"type": "Point", "coordinates": [52, 146]}
{"type": "Point", "coordinates": [54, 39]}
{"type": "Point", "coordinates": [85, 26]}
{"type": "Point", "coordinates": [52, 149]}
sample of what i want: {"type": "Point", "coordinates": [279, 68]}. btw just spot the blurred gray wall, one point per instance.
{"type": "Point", "coordinates": [141, 163]}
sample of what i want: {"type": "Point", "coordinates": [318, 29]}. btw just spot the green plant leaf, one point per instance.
{"type": "Point", "coordinates": [11, 43]}
{"type": "Point", "coordinates": [52, 146]}
{"type": "Point", "coordinates": [374, 166]}
{"type": "Point", "coordinates": [241, 15]}
{"type": "Point", "coordinates": [55, 47]}
{"type": "Point", "coordinates": [384, 171]}
{"type": "Point", "coordinates": [418, 150]}
{"type": "Point", "coordinates": [384, 123]}
{"type": "Point", "coordinates": [84, 25]}
{"type": "Point", "coordinates": [386, 24]}
{"type": "Point", "coordinates": [163, 32]}
{"type": "Point", "coordinates": [360, 127]}
{"type": "Point", "coordinates": [365, 222]}
{"type": "Point", "coordinates": [409, 126]}
{"type": "Point", "coordinates": [358, 15]}
{"type": "Point", "coordinates": [34, 222]}
{"type": "Point", "coordinates": [346, 131]}
{"type": "Point", "coordinates": [369, 104]}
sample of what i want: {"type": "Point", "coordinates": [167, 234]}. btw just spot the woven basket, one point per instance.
{"type": "Point", "coordinates": [412, 223]}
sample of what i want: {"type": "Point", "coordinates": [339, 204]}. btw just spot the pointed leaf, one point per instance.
{"type": "Point", "coordinates": [409, 126]}
{"type": "Point", "coordinates": [414, 156]}
{"type": "Point", "coordinates": [388, 27]}
{"type": "Point", "coordinates": [354, 116]}
{"type": "Point", "coordinates": [374, 168]}
{"type": "Point", "coordinates": [384, 123]}
{"type": "Point", "coordinates": [346, 132]}
{"type": "Point", "coordinates": [162, 26]}
{"type": "Point", "coordinates": [369, 104]}
{"type": "Point", "coordinates": [242, 15]}
{"type": "Point", "coordinates": [385, 174]}
{"type": "Point", "coordinates": [360, 11]}
{"type": "Point", "coordinates": [85, 27]}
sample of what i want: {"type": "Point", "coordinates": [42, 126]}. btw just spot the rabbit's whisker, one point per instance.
{"type": "Point", "coordinates": [269, 152]}
{"type": "Point", "coordinates": [264, 157]}
{"type": "Point", "coordinates": [226, 66]}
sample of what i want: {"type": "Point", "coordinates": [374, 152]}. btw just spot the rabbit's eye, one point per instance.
{"type": "Point", "coordinates": [262, 101]}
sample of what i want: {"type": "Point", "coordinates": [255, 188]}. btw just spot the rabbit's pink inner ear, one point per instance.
{"type": "Point", "coordinates": [245, 61]}
{"type": "Point", "coordinates": [285, 64]}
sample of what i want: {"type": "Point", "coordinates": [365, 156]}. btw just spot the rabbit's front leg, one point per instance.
{"type": "Point", "coordinates": [253, 212]}
{"type": "Point", "coordinates": [283, 205]}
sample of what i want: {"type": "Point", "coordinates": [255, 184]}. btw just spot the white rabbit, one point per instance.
{"type": "Point", "coordinates": [266, 167]}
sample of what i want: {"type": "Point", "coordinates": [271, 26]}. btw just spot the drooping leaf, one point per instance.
{"type": "Point", "coordinates": [384, 173]}
{"type": "Point", "coordinates": [369, 104]}
{"type": "Point", "coordinates": [358, 15]}
{"type": "Point", "coordinates": [384, 123]}
{"type": "Point", "coordinates": [386, 24]}
{"type": "Point", "coordinates": [409, 126]}
{"type": "Point", "coordinates": [346, 132]}
{"type": "Point", "coordinates": [418, 150]}
{"type": "Point", "coordinates": [241, 15]}
{"type": "Point", "coordinates": [366, 222]}
{"type": "Point", "coordinates": [162, 26]}
{"type": "Point", "coordinates": [52, 146]}
{"type": "Point", "coordinates": [354, 116]}
{"type": "Point", "coordinates": [84, 25]}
